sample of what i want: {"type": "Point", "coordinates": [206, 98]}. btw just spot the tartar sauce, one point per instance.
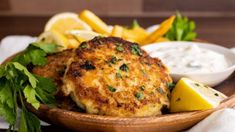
{"type": "Point", "coordinates": [190, 59]}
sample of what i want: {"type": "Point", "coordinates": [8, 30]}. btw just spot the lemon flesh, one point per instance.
{"type": "Point", "coordinates": [189, 95]}
{"type": "Point", "coordinates": [82, 35]}
{"type": "Point", "coordinates": [55, 37]}
{"type": "Point", "coordinates": [66, 21]}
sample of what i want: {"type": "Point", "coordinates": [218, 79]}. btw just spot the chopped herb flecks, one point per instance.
{"type": "Point", "coordinates": [88, 66]}
{"type": "Point", "coordinates": [135, 49]}
{"type": "Point", "coordinates": [160, 90]}
{"type": "Point", "coordinates": [216, 94]}
{"type": "Point", "coordinates": [118, 75]}
{"type": "Point", "coordinates": [83, 45]}
{"type": "Point", "coordinates": [119, 48]}
{"type": "Point", "coordinates": [112, 89]}
{"type": "Point", "coordinates": [124, 67]}
{"type": "Point", "coordinates": [170, 86]}
{"type": "Point", "coordinates": [113, 60]}
{"type": "Point", "coordinates": [139, 96]}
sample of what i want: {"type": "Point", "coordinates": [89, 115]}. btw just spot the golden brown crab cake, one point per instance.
{"type": "Point", "coordinates": [111, 76]}
{"type": "Point", "coordinates": [55, 67]}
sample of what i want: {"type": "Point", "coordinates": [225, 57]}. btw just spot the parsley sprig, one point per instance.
{"type": "Point", "coordinates": [18, 85]}
{"type": "Point", "coordinates": [182, 29]}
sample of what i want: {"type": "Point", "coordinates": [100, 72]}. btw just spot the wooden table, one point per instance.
{"type": "Point", "coordinates": [217, 30]}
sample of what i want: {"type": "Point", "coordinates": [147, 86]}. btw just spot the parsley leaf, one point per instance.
{"type": "Point", "coordinates": [30, 95]}
{"type": "Point", "coordinates": [38, 57]}
{"type": "Point", "coordinates": [135, 49]}
{"type": "Point", "coordinates": [139, 95]}
{"type": "Point", "coordinates": [29, 122]}
{"type": "Point", "coordinates": [112, 89]}
{"type": "Point", "coordinates": [48, 48]}
{"type": "Point", "coordinates": [36, 54]}
{"type": "Point", "coordinates": [32, 79]}
{"type": "Point", "coordinates": [124, 67]}
{"type": "Point", "coordinates": [83, 45]}
{"type": "Point", "coordinates": [182, 29]}
{"type": "Point", "coordinates": [119, 48]}
{"type": "Point", "coordinates": [7, 102]}
{"type": "Point", "coordinates": [134, 24]}
{"type": "Point", "coordinates": [171, 86]}
{"type": "Point", "coordinates": [17, 82]}
{"type": "Point", "coordinates": [118, 75]}
{"type": "Point", "coordinates": [113, 60]}
{"type": "Point", "coordinates": [45, 90]}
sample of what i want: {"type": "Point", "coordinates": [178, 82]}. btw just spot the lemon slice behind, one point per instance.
{"type": "Point", "coordinates": [82, 35]}
{"type": "Point", "coordinates": [189, 95]}
{"type": "Point", "coordinates": [55, 37]}
{"type": "Point", "coordinates": [66, 21]}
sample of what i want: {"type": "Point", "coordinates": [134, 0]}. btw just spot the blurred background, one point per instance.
{"type": "Point", "coordinates": [215, 19]}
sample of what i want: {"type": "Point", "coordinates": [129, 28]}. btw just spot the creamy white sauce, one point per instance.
{"type": "Point", "coordinates": [190, 59]}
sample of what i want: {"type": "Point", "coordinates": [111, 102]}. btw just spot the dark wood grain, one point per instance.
{"type": "Point", "coordinates": [5, 5]}
{"type": "Point", "coordinates": [217, 30]}
{"type": "Point", "coordinates": [186, 5]}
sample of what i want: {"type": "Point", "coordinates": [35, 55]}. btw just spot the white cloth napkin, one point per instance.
{"type": "Point", "coordinates": [220, 121]}
{"type": "Point", "coordinates": [14, 44]}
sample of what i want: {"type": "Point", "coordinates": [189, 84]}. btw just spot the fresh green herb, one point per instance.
{"type": "Point", "coordinates": [88, 65]}
{"type": "Point", "coordinates": [113, 60]}
{"type": "Point", "coordinates": [160, 90]}
{"type": "Point", "coordinates": [119, 48]}
{"type": "Point", "coordinates": [170, 86]}
{"type": "Point", "coordinates": [18, 83]}
{"type": "Point", "coordinates": [135, 49]}
{"type": "Point", "coordinates": [47, 48]}
{"type": "Point", "coordinates": [29, 122]}
{"type": "Point", "coordinates": [83, 45]}
{"type": "Point", "coordinates": [118, 75]}
{"type": "Point", "coordinates": [124, 67]}
{"type": "Point", "coordinates": [139, 96]}
{"type": "Point", "coordinates": [182, 29]}
{"type": "Point", "coordinates": [36, 54]}
{"type": "Point", "coordinates": [112, 89]}
{"type": "Point", "coordinates": [134, 24]}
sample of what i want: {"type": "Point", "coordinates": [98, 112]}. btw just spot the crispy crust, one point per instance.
{"type": "Point", "coordinates": [111, 76]}
{"type": "Point", "coordinates": [56, 67]}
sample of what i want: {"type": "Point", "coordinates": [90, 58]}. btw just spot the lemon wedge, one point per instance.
{"type": "Point", "coordinates": [53, 36]}
{"type": "Point", "coordinates": [66, 21]}
{"type": "Point", "coordinates": [189, 95]}
{"type": "Point", "coordinates": [82, 35]}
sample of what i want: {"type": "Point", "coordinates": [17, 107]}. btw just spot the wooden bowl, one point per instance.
{"type": "Point", "coordinates": [86, 122]}
{"type": "Point", "coordinates": [169, 122]}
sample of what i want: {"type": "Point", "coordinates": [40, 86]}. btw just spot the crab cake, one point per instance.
{"type": "Point", "coordinates": [55, 67]}
{"type": "Point", "coordinates": [111, 76]}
